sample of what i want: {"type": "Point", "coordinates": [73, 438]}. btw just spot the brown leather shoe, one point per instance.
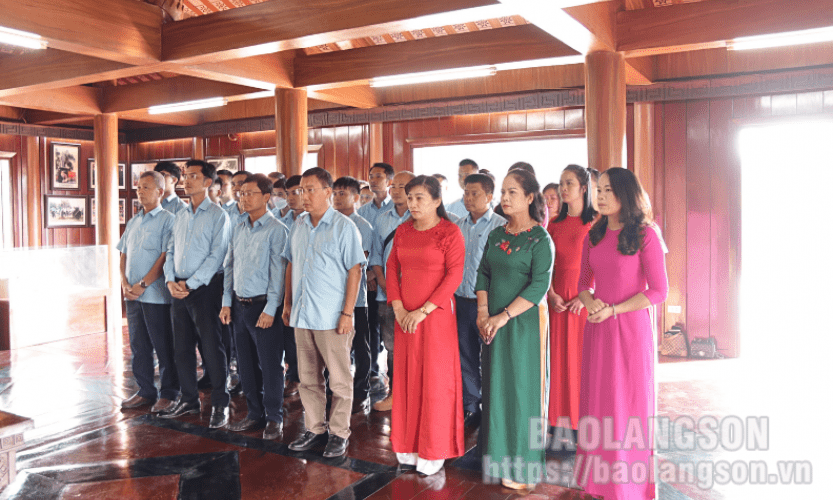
{"type": "Point", "coordinates": [163, 405]}
{"type": "Point", "coordinates": [136, 401]}
{"type": "Point", "coordinates": [361, 405]}
{"type": "Point", "coordinates": [385, 404]}
{"type": "Point", "coordinates": [290, 388]}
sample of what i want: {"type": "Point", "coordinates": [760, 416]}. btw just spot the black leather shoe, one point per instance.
{"type": "Point", "coordinates": [219, 417]}
{"type": "Point", "coordinates": [181, 409]}
{"type": "Point", "coordinates": [471, 418]}
{"type": "Point", "coordinates": [361, 405]}
{"type": "Point", "coordinates": [308, 441]}
{"type": "Point", "coordinates": [244, 425]}
{"type": "Point", "coordinates": [136, 401]}
{"type": "Point", "coordinates": [336, 447]}
{"type": "Point", "coordinates": [273, 430]}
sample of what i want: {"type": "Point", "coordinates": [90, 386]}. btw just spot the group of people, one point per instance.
{"type": "Point", "coordinates": [505, 309]}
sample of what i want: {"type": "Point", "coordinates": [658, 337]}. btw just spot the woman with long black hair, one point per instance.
{"type": "Point", "coordinates": [567, 313]}
{"type": "Point", "coordinates": [622, 276]}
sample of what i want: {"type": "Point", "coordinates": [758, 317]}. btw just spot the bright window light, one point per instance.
{"type": "Point", "coordinates": [187, 106]}
{"type": "Point", "coordinates": [433, 76]}
{"type": "Point", "coordinates": [782, 39]}
{"type": "Point", "coordinates": [19, 38]}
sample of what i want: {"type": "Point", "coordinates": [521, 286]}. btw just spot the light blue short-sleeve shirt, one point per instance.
{"type": "Point", "coordinates": [475, 235]}
{"type": "Point", "coordinates": [145, 239]}
{"type": "Point", "coordinates": [254, 263]}
{"type": "Point", "coordinates": [457, 208]}
{"type": "Point", "coordinates": [174, 204]}
{"type": "Point", "coordinates": [198, 246]}
{"type": "Point", "coordinates": [321, 258]}
{"type": "Point", "coordinates": [371, 212]}
{"type": "Point", "coordinates": [366, 232]}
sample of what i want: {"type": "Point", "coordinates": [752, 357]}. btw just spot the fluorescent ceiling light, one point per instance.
{"type": "Point", "coordinates": [433, 76]}
{"type": "Point", "coordinates": [9, 36]}
{"type": "Point", "coordinates": [782, 39]}
{"type": "Point", "coordinates": [187, 106]}
{"type": "Point", "coordinates": [540, 63]}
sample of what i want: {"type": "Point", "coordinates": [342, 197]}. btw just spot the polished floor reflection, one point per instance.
{"type": "Point", "coordinates": [84, 446]}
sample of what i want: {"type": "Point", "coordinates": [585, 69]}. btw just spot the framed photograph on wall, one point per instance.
{"type": "Point", "coordinates": [65, 211]}
{"type": "Point", "coordinates": [230, 163]}
{"type": "Point", "coordinates": [93, 217]}
{"type": "Point", "coordinates": [137, 169]}
{"type": "Point", "coordinates": [122, 174]}
{"type": "Point", "coordinates": [64, 165]}
{"type": "Point", "coordinates": [137, 205]}
{"type": "Point", "coordinates": [122, 211]}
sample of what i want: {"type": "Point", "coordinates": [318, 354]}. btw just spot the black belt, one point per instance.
{"type": "Point", "coordinates": [250, 300]}
{"type": "Point", "coordinates": [466, 299]}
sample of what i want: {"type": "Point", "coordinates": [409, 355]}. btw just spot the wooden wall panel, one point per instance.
{"type": "Point", "coordinates": [698, 217]}
{"type": "Point", "coordinates": [725, 214]}
{"type": "Point", "coordinates": [675, 208]}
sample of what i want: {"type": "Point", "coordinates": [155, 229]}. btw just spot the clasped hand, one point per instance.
{"type": "Point", "coordinates": [489, 326]}
{"type": "Point", "coordinates": [408, 320]}
{"type": "Point", "coordinates": [598, 311]}
{"type": "Point", "coordinates": [132, 292]}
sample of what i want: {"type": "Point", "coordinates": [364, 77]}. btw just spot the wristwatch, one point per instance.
{"type": "Point", "coordinates": [423, 310]}
{"type": "Point", "coordinates": [143, 284]}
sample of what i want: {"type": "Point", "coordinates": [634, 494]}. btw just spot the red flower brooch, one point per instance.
{"type": "Point", "coordinates": [505, 247]}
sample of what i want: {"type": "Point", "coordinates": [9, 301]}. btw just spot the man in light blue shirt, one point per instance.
{"type": "Point", "coordinates": [466, 168]}
{"type": "Point", "coordinates": [143, 249]}
{"type": "Point", "coordinates": [193, 272]}
{"type": "Point", "coordinates": [380, 178]}
{"type": "Point", "coordinates": [172, 173]}
{"type": "Point", "coordinates": [386, 224]}
{"type": "Point", "coordinates": [345, 196]}
{"type": "Point", "coordinates": [476, 226]}
{"type": "Point", "coordinates": [325, 257]}
{"type": "Point", "coordinates": [233, 209]}
{"type": "Point", "coordinates": [287, 215]}
{"type": "Point", "coordinates": [253, 291]}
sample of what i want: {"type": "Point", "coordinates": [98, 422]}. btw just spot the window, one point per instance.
{"type": "Point", "coordinates": [268, 163]}
{"type": "Point", "coordinates": [547, 156]}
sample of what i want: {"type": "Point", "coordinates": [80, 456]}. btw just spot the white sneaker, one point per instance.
{"type": "Point", "coordinates": [429, 467]}
{"type": "Point", "coordinates": [407, 458]}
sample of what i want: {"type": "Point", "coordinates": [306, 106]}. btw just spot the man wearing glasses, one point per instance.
{"type": "Point", "coordinates": [194, 276]}
{"type": "Point", "coordinates": [253, 291]}
{"type": "Point", "coordinates": [325, 261]}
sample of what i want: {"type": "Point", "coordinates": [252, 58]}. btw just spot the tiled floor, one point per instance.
{"type": "Point", "coordinates": [84, 446]}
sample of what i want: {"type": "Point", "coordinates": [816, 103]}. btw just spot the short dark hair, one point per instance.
{"type": "Point", "coordinates": [322, 175]}
{"type": "Point", "coordinates": [276, 175]}
{"type": "Point", "coordinates": [523, 166]}
{"type": "Point", "coordinates": [279, 184]}
{"type": "Point", "coordinates": [348, 182]}
{"type": "Point", "coordinates": [468, 161]}
{"type": "Point", "coordinates": [440, 177]}
{"type": "Point", "coordinates": [293, 181]}
{"type": "Point", "coordinates": [485, 181]}
{"type": "Point", "coordinates": [384, 166]}
{"type": "Point", "coordinates": [218, 182]}
{"type": "Point", "coordinates": [170, 168]}
{"type": "Point", "coordinates": [432, 185]}
{"type": "Point", "coordinates": [551, 185]}
{"type": "Point", "coordinates": [209, 171]}
{"type": "Point", "coordinates": [242, 172]}
{"type": "Point", "coordinates": [263, 183]}
{"type": "Point", "coordinates": [225, 172]}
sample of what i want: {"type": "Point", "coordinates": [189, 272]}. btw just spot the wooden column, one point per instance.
{"type": "Point", "coordinates": [33, 192]}
{"type": "Point", "coordinates": [605, 109]}
{"type": "Point", "coordinates": [376, 145]}
{"type": "Point", "coordinates": [199, 148]}
{"type": "Point", "coordinates": [107, 203]}
{"type": "Point", "coordinates": [290, 130]}
{"type": "Point", "coordinates": [643, 145]}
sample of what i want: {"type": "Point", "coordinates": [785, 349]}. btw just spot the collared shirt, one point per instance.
{"type": "Point", "coordinates": [366, 232]}
{"type": "Point", "coordinates": [371, 212]}
{"type": "Point", "coordinates": [379, 252]}
{"type": "Point", "coordinates": [452, 216]}
{"type": "Point", "coordinates": [254, 262]}
{"type": "Point", "coordinates": [145, 239]}
{"type": "Point", "coordinates": [321, 257]}
{"type": "Point", "coordinates": [288, 219]}
{"type": "Point", "coordinates": [457, 208]}
{"type": "Point", "coordinates": [476, 234]}
{"type": "Point", "coordinates": [232, 208]}
{"type": "Point", "coordinates": [199, 244]}
{"type": "Point", "coordinates": [174, 204]}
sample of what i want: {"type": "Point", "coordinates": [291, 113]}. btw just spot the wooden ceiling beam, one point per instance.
{"type": "Point", "coordinates": [167, 91]}
{"type": "Point", "coordinates": [184, 119]}
{"type": "Point", "coordinates": [52, 118]}
{"type": "Point", "coordinates": [267, 71]}
{"type": "Point", "coordinates": [270, 27]}
{"type": "Point", "coordinates": [701, 25]}
{"type": "Point", "coordinates": [51, 69]}
{"type": "Point", "coordinates": [126, 31]}
{"type": "Point", "coordinates": [72, 100]}
{"type": "Point", "coordinates": [526, 42]}
{"type": "Point", "coordinates": [359, 96]}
